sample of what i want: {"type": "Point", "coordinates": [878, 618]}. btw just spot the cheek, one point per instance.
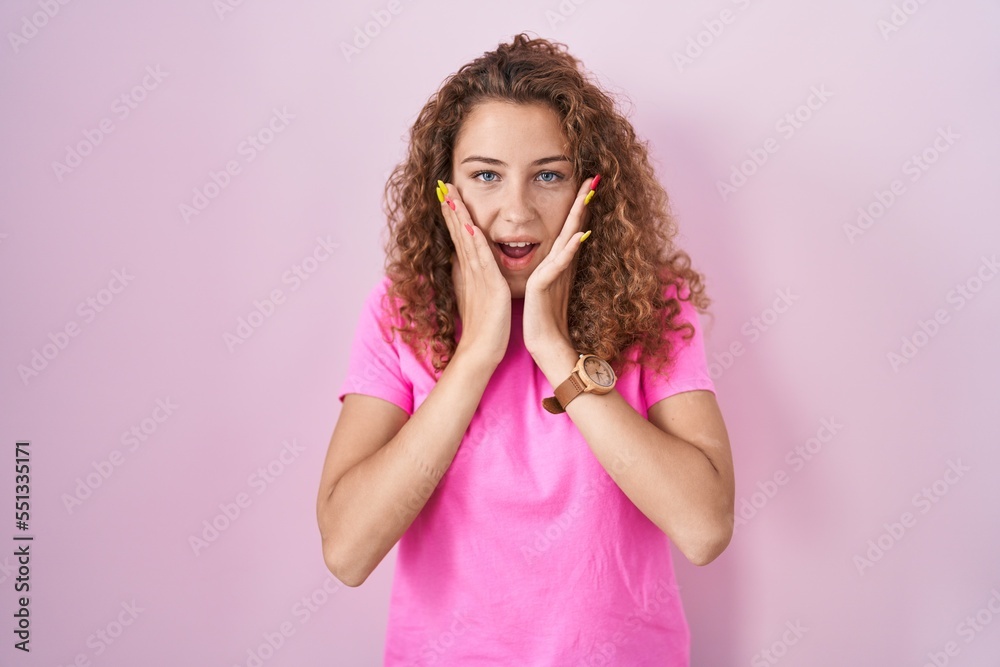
{"type": "Point", "coordinates": [555, 220]}
{"type": "Point", "coordinates": [557, 205]}
{"type": "Point", "coordinates": [478, 210]}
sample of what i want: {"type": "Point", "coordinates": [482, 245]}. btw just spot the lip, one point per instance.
{"type": "Point", "coordinates": [512, 264]}
{"type": "Point", "coordinates": [517, 239]}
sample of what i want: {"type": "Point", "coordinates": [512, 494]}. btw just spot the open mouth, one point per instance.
{"type": "Point", "coordinates": [516, 251]}
{"type": "Point", "coordinates": [515, 257]}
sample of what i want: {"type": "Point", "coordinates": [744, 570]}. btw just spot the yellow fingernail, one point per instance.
{"type": "Point", "coordinates": [590, 195]}
{"type": "Point", "coordinates": [584, 237]}
{"type": "Point", "coordinates": [439, 193]}
{"type": "Point", "coordinates": [444, 188]}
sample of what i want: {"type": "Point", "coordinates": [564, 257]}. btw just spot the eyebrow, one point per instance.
{"type": "Point", "coordinates": [500, 163]}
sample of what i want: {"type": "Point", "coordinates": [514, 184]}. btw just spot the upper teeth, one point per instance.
{"type": "Point", "coordinates": [520, 244]}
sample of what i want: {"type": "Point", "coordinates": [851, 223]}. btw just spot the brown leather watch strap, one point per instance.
{"type": "Point", "coordinates": [577, 384]}
{"type": "Point", "coordinates": [552, 405]}
{"type": "Point", "coordinates": [571, 387]}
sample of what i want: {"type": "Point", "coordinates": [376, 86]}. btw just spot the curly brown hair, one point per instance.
{"type": "Point", "coordinates": [617, 300]}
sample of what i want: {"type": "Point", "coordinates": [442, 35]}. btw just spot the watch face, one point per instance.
{"type": "Point", "coordinates": [599, 371]}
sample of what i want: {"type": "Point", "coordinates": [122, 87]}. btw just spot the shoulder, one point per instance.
{"type": "Point", "coordinates": [379, 289]}
{"type": "Point", "coordinates": [377, 308]}
{"type": "Point", "coordinates": [681, 311]}
{"type": "Point", "coordinates": [378, 298]}
{"type": "Point", "coordinates": [682, 335]}
{"type": "Point", "coordinates": [677, 288]}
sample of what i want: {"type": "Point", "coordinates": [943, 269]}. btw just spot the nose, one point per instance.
{"type": "Point", "coordinates": [517, 207]}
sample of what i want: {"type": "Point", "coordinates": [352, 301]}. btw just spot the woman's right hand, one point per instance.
{"type": "Point", "coordinates": [482, 292]}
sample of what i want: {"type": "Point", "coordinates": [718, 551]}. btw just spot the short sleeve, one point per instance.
{"type": "Point", "coordinates": [689, 370]}
{"type": "Point", "coordinates": [374, 367]}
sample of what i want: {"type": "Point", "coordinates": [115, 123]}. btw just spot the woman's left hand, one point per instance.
{"type": "Point", "coordinates": [546, 293]}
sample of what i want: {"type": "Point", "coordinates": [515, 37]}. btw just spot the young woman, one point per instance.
{"type": "Point", "coordinates": [528, 410]}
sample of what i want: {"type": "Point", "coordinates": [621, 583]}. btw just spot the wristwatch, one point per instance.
{"type": "Point", "coordinates": [591, 374]}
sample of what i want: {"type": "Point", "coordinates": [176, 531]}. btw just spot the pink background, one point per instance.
{"type": "Point", "coordinates": [161, 333]}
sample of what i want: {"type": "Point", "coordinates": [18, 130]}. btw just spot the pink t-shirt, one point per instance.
{"type": "Point", "coordinates": [527, 552]}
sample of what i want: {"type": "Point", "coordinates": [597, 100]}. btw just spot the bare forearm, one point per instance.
{"type": "Point", "coordinates": [374, 502]}
{"type": "Point", "coordinates": [670, 480]}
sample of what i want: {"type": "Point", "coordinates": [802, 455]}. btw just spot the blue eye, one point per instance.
{"type": "Point", "coordinates": [484, 173]}
{"type": "Point", "coordinates": [552, 176]}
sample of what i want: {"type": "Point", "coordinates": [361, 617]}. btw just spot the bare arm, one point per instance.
{"type": "Point", "coordinates": [381, 467]}
{"type": "Point", "coordinates": [676, 467]}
